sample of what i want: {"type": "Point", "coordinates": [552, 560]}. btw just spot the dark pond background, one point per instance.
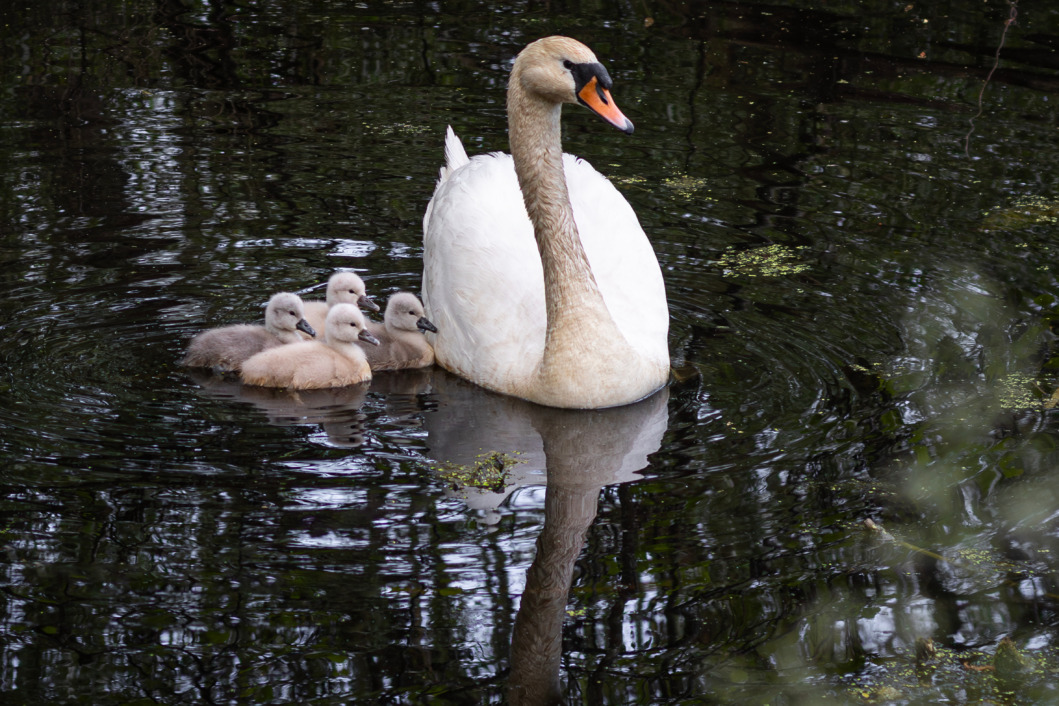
{"type": "Point", "coordinates": [858, 232]}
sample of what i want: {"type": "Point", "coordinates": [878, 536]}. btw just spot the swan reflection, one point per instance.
{"type": "Point", "coordinates": [575, 453]}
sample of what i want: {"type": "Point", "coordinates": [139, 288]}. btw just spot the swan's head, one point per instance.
{"type": "Point", "coordinates": [345, 324]}
{"type": "Point", "coordinates": [285, 313]}
{"type": "Point", "coordinates": [348, 288]}
{"type": "Point", "coordinates": [563, 70]}
{"type": "Point", "coordinates": [405, 312]}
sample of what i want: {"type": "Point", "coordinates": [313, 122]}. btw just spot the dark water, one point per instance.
{"type": "Point", "coordinates": [860, 272]}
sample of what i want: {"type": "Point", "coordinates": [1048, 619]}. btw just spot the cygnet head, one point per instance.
{"type": "Point", "coordinates": [345, 324]}
{"type": "Point", "coordinates": [404, 312]}
{"type": "Point", "coordinates": [348, 288]}
{"type": "Point", "coordinates": [284, 313]}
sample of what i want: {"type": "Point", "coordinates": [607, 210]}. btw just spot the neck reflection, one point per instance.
{"type": "Point", "coordinates": [575, 453]}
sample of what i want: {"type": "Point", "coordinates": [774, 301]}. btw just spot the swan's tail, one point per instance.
{"type": "Point", "coordinates": [455, 155]}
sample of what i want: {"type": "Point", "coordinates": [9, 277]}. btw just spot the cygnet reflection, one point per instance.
{"type": "Point", "coordinates": [336, 411]}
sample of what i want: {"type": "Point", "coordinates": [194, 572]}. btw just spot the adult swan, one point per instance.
{"type": "Point", "coordinates": [536, 272]}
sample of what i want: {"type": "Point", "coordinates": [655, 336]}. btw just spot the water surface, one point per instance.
{"type": "Point", "coordinates": [862, 291]}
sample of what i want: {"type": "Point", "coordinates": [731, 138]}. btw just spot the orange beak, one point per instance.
{"type": "Point", "coordinates": [598, 100]}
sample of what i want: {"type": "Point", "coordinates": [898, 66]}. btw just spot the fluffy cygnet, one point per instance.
{"type": "Point", "coordinates": [314, 365]}
{"type": "Point", "coordinates": [343, 287]}
{"type": "Point", "coordinates": [226, 348]}
{"type": "Point", "coordinates": [401, 341]}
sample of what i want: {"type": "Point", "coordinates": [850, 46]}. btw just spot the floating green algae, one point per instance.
{"type": "Point", "coordinates": [490, 471]}
{"type": "Point", "coordinates": [774, 260]}
{"type": "Point", "coordinates": [684, 185]}
{"type": "Point", "coordinates": [1025, 212]}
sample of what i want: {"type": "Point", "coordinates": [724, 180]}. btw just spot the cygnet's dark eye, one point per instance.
{"type": "Point", "coordinates": [567, 64]}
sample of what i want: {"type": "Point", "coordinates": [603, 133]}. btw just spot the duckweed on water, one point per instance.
{"type": "Point", "coordinates": [1016, 392]}
{"type": "Point", "coordinates": [490, 471]}
{"type": "Point", "coordinates": [628, 180]}
{"type": "Point", "coordinates": [684, 185]}
{"type": "Point", "coordinates": [1023, 213]}
{"type": "Point", "coordinates": [398, 129]}
{"type": "Point", "coordinates": [774, 260]}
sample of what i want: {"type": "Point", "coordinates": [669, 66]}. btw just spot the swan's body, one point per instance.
{"type": "Point", "coordinates": [402, 344]}
{"type": "Point", "coordinates": [226, 348]}
{"type": "Point", "coordinates": [342, 287]}
{"type": "Point", "coordinates": [543, 285]}
{"type": "Point", "coordinates": [315, 365]}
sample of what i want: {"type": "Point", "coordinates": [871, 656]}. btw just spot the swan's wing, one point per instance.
{"type": "Point", "coordinates": [483, 285]}
{"type": "Point", "coordinates": [622, 259]}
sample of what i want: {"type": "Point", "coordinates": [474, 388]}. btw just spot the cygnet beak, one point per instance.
{"type": "Point", "coordinates": [424, 325]}
{"type": "Point", "coordinates": [365, 303]}
{"type": "Point", "coordinates": [368, 338]}
{"type": "Point", "coordinates": [303, 325]}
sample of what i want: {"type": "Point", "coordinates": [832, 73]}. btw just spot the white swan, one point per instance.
{"type": "Point", "coordinates": [342, 287]}
{"type": "Point", "coordinates": [564, 306]}
{"type": "Point", "coordinates": [313, 365]}
{"type": "Point", "coordinates": [226, 348]}
{"type": "Point", "coordinates": [402, 344]}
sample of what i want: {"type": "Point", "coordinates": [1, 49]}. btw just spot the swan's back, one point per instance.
{"type": "Point", "coordinates": [309, 365]}
{"type": "Point", "coordinates": [316, 314]}
{"type": "Point", "coordinates": [226, 348]}
{"type": "Point", "coordinates": [313, 365]}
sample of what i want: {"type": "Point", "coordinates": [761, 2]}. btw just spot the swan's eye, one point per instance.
{"type": "Point", "coordinates": [567, 64]}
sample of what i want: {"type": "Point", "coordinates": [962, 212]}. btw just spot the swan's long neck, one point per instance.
{"type": "Point", "coordinates": [581, 338]}
{"type": "Point", "coordinates": [536, 147]}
